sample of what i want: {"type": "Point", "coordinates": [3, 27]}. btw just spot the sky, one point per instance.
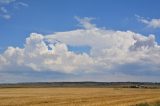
{"type": "Point", "coordinates": [79, 40]}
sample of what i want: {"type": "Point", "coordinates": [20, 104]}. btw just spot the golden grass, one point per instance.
{"type": "Point", "coordinates": [76, 96]}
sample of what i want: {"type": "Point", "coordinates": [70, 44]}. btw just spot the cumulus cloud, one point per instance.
{"type": "Point", "coordinates": [37, 56]}
{"type": "Point", "coordinates": [153, 23]}
{"type": "Point", "coordinates": [109, 50]}
{"type": "Point", "coordinates": [144, 43]}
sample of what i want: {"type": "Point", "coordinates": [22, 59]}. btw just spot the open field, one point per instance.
{"type": "Point", "coordinates": [77, 96]}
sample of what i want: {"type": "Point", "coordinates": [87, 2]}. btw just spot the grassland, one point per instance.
{"type": "Point", "coordinates": [77, 96]}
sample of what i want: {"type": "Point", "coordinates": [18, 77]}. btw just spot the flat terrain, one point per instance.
{"type": "Point", "coordinates": [77, 96]}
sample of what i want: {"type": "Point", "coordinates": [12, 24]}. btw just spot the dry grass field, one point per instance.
{"type": "Point", "coordinates": [76, 96]}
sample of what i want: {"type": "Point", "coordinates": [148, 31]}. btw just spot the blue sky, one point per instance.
{"type": "Point", "coordinates": [20, 18]}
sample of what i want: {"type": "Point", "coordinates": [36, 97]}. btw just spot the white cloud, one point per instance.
{"type": "Point", "coordinates": [38, 57]}
{"type": "Point", "coordinates": [109, 49]}
{"type": "Point", "coordinates": [154, 23]}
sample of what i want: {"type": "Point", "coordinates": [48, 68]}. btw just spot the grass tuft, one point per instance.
{"type": "Point", "coordinates": [146, 104]}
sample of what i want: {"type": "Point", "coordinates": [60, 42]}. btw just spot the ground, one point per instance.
{"type": "Point", "coordinates": [77, 96]}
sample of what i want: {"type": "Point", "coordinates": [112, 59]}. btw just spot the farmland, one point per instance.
{"type": "Point", "coordinates": [72, 96]}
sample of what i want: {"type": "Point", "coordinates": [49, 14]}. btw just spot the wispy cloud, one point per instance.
{"type": "Point", "coordinates": [5, 12]}
{"type": "Point", "coordinates": [6, 16]}
{"type": "Point", "coordinates": [3, 9]}
{"type": "Point", "coordinates": [20, 4]}
{"type": "Point", "coordinates": [6, 1]}
{"type": "Point", "coordinates": [85, 22]}
{"type": "Point", "coordinates": [153, 23]}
